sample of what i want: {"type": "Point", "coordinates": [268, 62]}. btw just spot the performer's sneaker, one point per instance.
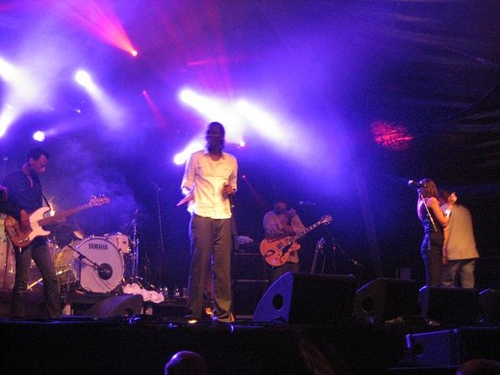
{"type": "Point", "coordinates": [190, 319]}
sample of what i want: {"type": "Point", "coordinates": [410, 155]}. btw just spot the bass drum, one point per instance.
{"type": "Point", "coordinates": [99, 268]}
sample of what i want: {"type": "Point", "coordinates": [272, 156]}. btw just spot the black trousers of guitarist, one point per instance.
{"type": "Point", "coordinates": [39, 252]}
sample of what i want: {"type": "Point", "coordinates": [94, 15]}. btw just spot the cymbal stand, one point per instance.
{"type": "Point", "coordinates": [136, 252]}
{"type": "Point", "coordinates": [160, 225]}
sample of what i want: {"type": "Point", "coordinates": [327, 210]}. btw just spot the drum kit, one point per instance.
{"type": "Point", "coordinates": [94, 264]}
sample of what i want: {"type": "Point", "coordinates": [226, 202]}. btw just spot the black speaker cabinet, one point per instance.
{"type": "Point", "coordinates": [307, 299]}
{"type": "Point", "coordinates": [123, 305]}
{"type": "Point", "coordinates": [489, 306]}
{"type": "Point", "coordinates": [384, 299]}
{"type": "Point", "coordinates": [452, 347]}
{"type": "Point", "coordinates": [453, 306]}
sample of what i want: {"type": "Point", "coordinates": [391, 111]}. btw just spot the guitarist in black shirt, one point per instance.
{"type": "Point", "coordinates": [24, 191]}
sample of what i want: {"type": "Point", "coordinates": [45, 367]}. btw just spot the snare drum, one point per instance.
{"type": "Point", "coordinates": [100, 268]}
{"type": "Point", "coordinates": [121, 241]}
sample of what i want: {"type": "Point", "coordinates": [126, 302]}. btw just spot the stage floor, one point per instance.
{"type": "Point", "coordinates": [104, 334]}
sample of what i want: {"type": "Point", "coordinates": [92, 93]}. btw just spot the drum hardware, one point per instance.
{"type": "Point", "coordinates": [58, 273]}
{"type": "Point", "coordinates": [97, 264]}
{"type": "Point", "coordinates": [135, 242]}
{"type": "Point", "coordinates": [104, 270]}
{"type": "Point", "coordinates": [120, 240]}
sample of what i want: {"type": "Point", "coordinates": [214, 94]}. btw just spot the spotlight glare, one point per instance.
{"type": "Point", "coordinates": [7, 71]}
{"type": "Point", "coordinates": [187, 96]}
{"type": "Point", "coordinates": [134, 52]}
{"type": "Point", "coordinates": [83, 78]}
{"type": "Point", "coordinates": [39, 136]}
{"type": "Point", "coordinates": [180, 158]}
{"type": "Point", "coordinates": [242, 143]}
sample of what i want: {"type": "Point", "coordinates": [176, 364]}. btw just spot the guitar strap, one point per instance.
{"type": "Point", "coordinates": [30, 179]}
{"type": "Point", "coordinates": [46, 201]}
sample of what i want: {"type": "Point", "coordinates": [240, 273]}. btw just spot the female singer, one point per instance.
{"type": "Point", "coordinates": [433, 221]}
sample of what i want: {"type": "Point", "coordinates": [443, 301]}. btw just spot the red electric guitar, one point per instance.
{"type": "Point", "coordinates": [276, 252]}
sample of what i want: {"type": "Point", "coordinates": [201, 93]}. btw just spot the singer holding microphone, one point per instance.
{"type": "Point", "coordinates": [433, 221]}
{"type": "Point", "coordinates": [209, 184]}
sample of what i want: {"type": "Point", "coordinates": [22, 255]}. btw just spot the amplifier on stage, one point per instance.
{"type": "Point", "coordinates": [249, 266]}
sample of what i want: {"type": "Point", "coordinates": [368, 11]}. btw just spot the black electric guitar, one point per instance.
{"type": "Point", "coordinates": [276, 252]}
{"type": "Point", "coordinates": [38, 220]}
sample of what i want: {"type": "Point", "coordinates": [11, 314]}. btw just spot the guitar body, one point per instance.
{"type": "Point", "coordinates": [23, 239]}
{"type": "Point", "coordinates": [38, 220]}
{"type": "Point", "coordinates": [277, 252]}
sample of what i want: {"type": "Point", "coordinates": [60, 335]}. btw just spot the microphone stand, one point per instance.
{"type": "Point", "coordinates": [160, 228]}
{"type": "Point", "coordinates": [104, 270]}
{"type": "Point", "coordinates": [428, 213]}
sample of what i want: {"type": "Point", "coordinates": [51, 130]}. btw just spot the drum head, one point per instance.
{"type": "Point", "coordinates": [101, 270]}
{"type": "Point", "coordinates": [121, 241]}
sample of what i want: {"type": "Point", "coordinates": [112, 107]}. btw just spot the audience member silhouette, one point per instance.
{"type": "Point", "coordinates": [479, 366]}
{"type": "Point", "coordinates": [186, 363]}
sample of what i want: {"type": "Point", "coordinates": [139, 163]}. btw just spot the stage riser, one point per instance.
{"type": "Point", "coordinates": [143, 347]}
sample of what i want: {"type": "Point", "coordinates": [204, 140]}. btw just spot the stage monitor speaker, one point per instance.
{"type": "Point", "coordinates": [298, 298]}
{"type": "Point", "coordinates": [385, 299]}
{"type": "Point", "coordinates": [124, 305]}
{"type": "Point", "coordinates": [451, 347]}
{"type": "Point", "coordinates": [489, 306]}
{"type": "Point", "coordinates": [452, 306]}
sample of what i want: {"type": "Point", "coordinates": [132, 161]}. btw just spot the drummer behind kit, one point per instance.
{"type": "Point", "coordinates": [95, 264]}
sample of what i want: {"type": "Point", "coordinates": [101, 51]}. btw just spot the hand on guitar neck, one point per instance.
{"type": "Point", "coordinates": [22, 236]}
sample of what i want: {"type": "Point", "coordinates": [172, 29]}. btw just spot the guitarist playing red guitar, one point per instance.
{"type": "Point", "coordinates": [283, 228]}
{"type": "Point", "coordinates": [281, 223]}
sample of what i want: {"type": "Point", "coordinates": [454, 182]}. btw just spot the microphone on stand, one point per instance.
{"type": "Point", "coordinates": [104, 271]}
{"type": "Point", "coordinates": [416, 184]}
{"type": "Point", "coordinates": [304, 203]}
